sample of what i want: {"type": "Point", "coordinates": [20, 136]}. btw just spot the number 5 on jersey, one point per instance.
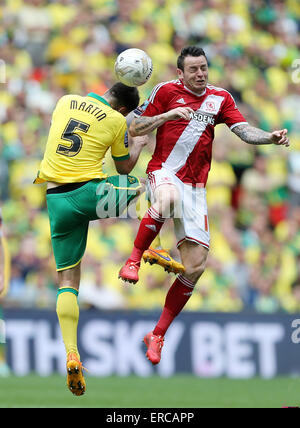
{"type": "Point", "coordinates": [70, 134]}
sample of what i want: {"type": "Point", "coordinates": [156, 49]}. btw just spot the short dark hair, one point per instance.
{"type": "Point", "coordinates": [126, 96]}
{"type": "Point", "coordinates": [189, 51]}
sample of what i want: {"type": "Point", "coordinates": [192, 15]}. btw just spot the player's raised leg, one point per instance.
{"type": "Point", "coordinates": [194, 258]}
{"type": "Point", "coordinates": [156, 254]}
{"type": "Point", "coordinates": [68, 315]}
{"type": "Point", "coordinates": [165, 197]}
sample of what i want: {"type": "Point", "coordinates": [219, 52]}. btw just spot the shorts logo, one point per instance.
{"type": "Point", "coordinates": [131, 179]}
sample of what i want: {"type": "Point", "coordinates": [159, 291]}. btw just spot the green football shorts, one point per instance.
{"type": "Point", "coordinates": [70, 214]}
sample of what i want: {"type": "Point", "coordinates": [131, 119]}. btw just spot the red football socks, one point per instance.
{"type": "Point", "coordinates": [149, 228]}
{"type": "Point", "coordinates": [178, 295]}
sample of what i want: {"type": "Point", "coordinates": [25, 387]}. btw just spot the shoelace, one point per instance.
{"type": "Point", "coordinates": [80, 364]}
{"type": "Point", "coordinates": [158, 341]}
{"type": "Point", "coordinates": [134, 265]}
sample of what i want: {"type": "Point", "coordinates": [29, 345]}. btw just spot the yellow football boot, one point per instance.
{"type": "Point", "coordinates": [75, 379]}
{"type": "Point", "coordinates": [163, 259]}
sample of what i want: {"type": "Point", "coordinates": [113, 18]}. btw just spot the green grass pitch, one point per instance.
{"type": "Point", "coordinates": [154, 392]}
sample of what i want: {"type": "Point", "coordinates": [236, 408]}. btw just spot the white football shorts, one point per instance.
{"type": "Point", "coordinates": [190, 215]}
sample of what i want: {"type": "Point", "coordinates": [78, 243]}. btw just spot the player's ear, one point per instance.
{"type": "Point", "coordinates": [123, 110]}
{"type": "Point", "coordinates": [180, 73]}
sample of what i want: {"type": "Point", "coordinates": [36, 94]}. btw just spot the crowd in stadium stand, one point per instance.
{"type": "Point", "coordinates": [50, 48]}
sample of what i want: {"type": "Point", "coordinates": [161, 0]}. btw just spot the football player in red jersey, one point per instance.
{"type": "Point", "coordinates": [184, 112]}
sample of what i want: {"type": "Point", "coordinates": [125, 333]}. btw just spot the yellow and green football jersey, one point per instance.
{"type": "Point", "coordinates": [82, 129]}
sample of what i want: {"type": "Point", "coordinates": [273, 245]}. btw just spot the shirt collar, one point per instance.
{"type": "Point", "coordinates": [99, 98]}
{"type": "Point", "coordinates": [194, 93]}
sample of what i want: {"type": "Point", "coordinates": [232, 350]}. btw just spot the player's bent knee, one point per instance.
{"type": "Point", "coordinates": [70, 277]}
{"type": "Point", "coordinates": [193, 274]}
{"type": "Point", "coordinates": [194, 271]}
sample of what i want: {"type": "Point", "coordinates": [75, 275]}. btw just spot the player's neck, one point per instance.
{"type": "Point", "coordinates": [199, 93]}
{"type": "Point", "coordinates": [108, 98]}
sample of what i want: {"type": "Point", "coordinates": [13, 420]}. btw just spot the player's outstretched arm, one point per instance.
{"type": "Point", "coordinates": [256, 136]}
{"type": "Point", "coordinates": [136, 145]}
{"type": "Point", "coordinates": [143, 125]}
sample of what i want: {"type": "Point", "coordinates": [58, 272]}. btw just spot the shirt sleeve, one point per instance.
{"type": "Point", "coordinates": [230, 114]}
{"type": "Point", "coordinates": [119, 148]}
{"type": "Point", "coordinates": [156, 103]}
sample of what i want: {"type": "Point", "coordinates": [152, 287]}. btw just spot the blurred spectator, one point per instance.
{"type": "Point", "coordinates": [294, 179]}
{"type": "Point", "coordinates": [222, 179]}
{"type": "Point", "coordinates": [257, 180]}
{"type": "Point", "coordinates": [239, 273]}
{"type": "Point", "coordinates": [94, 293]}
{"type": "Point", "coordinates": [262, 277]}
{"type": "Point", "coordinates": [33, 24]}
{"type": "Point", "coordinates": [291, 302]}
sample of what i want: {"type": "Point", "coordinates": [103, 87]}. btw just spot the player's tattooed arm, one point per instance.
{"type": "Point", "coordinates": [256, 136]}
{"type": "Point", "coordinates": [144, 124]}
{"type": "Point", "coordinates": [129, 118]}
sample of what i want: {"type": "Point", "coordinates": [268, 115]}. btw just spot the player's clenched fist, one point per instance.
{"type": "Point", "coordinates": [179, 113]}
{"type": "Point", "coordinates": [280, 138]}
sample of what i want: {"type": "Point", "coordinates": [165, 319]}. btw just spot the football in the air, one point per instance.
{"type": "Point", "coordinates": [133, 67]}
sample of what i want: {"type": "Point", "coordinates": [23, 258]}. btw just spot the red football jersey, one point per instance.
{"type": "Point", "coordinates": [185, 147]}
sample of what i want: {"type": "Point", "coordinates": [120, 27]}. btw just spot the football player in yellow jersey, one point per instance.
{"type": "Point", "coordinates": [82, 129]}
{"type": "Point", "coordinates": [4, 285]}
